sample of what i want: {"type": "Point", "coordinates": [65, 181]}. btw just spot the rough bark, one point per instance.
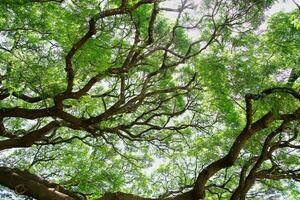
{"type": "Point", "coordinates": [25, 183]}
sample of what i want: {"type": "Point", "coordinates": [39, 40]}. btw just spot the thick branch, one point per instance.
{"type": "Point", "coordinates": [29, 139]}
{"type": "Point", "coordinates": [24, 183]}
{"type": "Point", "coordinates": [244, 136]}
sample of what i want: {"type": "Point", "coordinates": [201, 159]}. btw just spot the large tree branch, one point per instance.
{"type": "Point", "coordinates": [244, 136]}
{"type": "Point", "coordinates": [25, 183]}
{"type": "Point", "coordinates": [248, 182]}
{"type": "Point", "coordinates": [30, 138]}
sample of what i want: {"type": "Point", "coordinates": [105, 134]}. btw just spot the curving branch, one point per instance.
{"type": "Point", "coordinates": [244, 136]}
{"type": "Point", "coordinates": [25, 183]}
{"type": "Point", "coordinates": [29, 138]}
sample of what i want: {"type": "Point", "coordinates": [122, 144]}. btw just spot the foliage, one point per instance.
{"type": "Point", "coordinates": [99, 97]}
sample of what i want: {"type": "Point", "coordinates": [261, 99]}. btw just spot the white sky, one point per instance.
{"type": "Point", "coordinates": [282, 5]}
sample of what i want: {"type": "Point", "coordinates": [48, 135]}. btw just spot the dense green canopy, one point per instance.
{"type": "Point", "coordinates": [148, 100]}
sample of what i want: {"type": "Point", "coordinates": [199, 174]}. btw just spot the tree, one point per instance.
{"type": "Point", "coordinates": [92, 92]}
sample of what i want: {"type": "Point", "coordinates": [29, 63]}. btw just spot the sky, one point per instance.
{"type": "Point", "coordinates": [282, 5]}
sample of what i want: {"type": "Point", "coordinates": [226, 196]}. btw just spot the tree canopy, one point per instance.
{"type": "Point", "coordinates": [148, 100]}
